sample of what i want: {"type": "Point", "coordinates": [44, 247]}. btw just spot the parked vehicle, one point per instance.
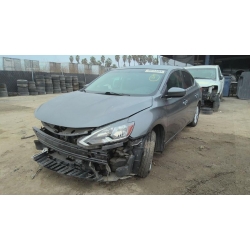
{"type": "Point", "coordinates": [111, 128]}
{"type": "Point", "coordinates": [210, 78]}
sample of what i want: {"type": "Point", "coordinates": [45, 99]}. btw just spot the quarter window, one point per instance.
{"type": "Point", "coordinates": [187, 80]}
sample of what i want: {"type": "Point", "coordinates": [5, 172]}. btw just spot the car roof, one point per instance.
{"type": "Point", "coordinates": [162, 67]}
{"type": "Point", "coordinates": [203, 66]}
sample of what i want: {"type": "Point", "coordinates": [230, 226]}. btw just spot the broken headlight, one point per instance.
{"type": "Point", "coordinates": [109, 134]}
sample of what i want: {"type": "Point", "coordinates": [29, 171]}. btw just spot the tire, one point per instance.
{"type": "Point", "coordinates": [22, 85]}
{"type": "Point", "coordinates": [20, 89]}
{"type": "Point", "coordinates": [147, 158]}
{"type": "Point", "coordinates": [4, 94]}
{"type": "Point", "coordinates": [216, 104]}
{"type": "Point", "coordinates": [39, 77]}
{"type": "Point", "coordinates": [41, 93]}
{"type": "Point", "coordinates": [196, 117]}
{"type": "Point", "coordinates": [206, 111]}
{"type": "Point", "coordinates": [21, 81]}
{"type": "Point", "coordinates": [23, 93]}
{"type": "Point", "coordinates": [34, 93]}
{"type": "Point", "coordinates": [3, 85]}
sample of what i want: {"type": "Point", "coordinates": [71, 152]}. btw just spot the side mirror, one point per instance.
{"type": "Point", "coordinates": [175, 92]}
{"type": "Point", "coordinates": [221, 77]}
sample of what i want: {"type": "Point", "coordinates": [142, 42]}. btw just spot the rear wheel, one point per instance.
{"type": "Point", "coordinates": [147, 158]}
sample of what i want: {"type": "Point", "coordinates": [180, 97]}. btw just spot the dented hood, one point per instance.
{"type": "Point", "coordinates": [80, 109]}
{"type": "Point", "coordinates": [206, 82]}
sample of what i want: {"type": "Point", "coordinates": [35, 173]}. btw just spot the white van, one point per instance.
{"type": "Point", "coordinates": [211, 80]}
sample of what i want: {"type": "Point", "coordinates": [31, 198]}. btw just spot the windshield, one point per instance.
{"type": "Point", "coordinates": [203, 73]}
{"type": "Point", "coordinates": [128, 82]}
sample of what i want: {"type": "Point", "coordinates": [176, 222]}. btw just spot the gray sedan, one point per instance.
{"type": "Point", "coordinates": [110, 129]}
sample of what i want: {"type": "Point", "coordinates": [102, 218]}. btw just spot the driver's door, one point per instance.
{"type": "Point", "coordinates": [175, 108]}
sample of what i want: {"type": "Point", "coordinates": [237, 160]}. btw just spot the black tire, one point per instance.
{"type": "Point", "coordinates": [55, 91]}
{"type": "Point", "coordinates": [22, 85]}
{"type": "Point", "coordinates": [4, 94]}
{"type": "Point", "coordinates": [23, 93]}
{"type": "Point", "coordinates": [33, 93]}
{"type": "Point", "coordinates": [196, 117]}
{"type": "Point", "coordinates": [147, 158]}
{"type": "Point", "coordinates": [206, 111]}
{"type": "Point", "coordinates": [39, 77]}
{"type": "Point", "coordinates": [41, 93]}
{"type": "Point", "coordinates": [21, 81]}
{"type": "Point", "coordinates": [2, 85]}
{"type": "Point", "coordinates": [20, 89]}
{"type": "Point", "coordinates": [216, 104]}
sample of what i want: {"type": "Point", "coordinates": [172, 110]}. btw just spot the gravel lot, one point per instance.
{"type": "Point", "coordinates": [212, 158]}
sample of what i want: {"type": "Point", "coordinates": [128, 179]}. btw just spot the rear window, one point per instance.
{"type": "Point", "coordinates": [132, 82]}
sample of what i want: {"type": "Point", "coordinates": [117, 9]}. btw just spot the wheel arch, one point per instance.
{"type": "Point", "coordinates": [160, 137]}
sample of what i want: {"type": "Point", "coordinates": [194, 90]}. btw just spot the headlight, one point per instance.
{"type": "Point", "coordinates": [112, 133]}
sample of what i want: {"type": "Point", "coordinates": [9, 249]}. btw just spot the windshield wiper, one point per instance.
{"type": "Point", "coordinates": [113, 93]}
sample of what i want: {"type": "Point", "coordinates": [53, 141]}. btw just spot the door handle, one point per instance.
{"type": "Point", "coordinates": [185, 102]}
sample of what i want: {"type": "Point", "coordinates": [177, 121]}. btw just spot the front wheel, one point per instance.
{"type": "Point", "coordinates": [216, 104]}
{"type": "Point", "coordinates": [196, 117]}
{"type": "Point", "coordinates": [147, 158]}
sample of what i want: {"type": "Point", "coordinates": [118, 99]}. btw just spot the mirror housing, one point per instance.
{"type": "Point", "coordinates": [175, 92]}
{"type": "Point", "coordinates": [221, 77]}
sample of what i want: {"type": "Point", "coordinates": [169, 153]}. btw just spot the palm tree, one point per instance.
{"type": "Point", "coordinates": [85, 61]}
{"type": "Point", "coordinates": [140, 59]}
{"type": "Point", "coordinates": [129, 59]}
{"type": "Point", "coordinates": [137, 58]}
{"type": "Point", "coordinates": [114, 66]}
{"type": "Point", "coordinates": [124, 58]}
{"type": "Point", "coordinates": [71, 58]}
{"type": "Point", "coordinates": [150, 59]}
{"type": "Point", "coordinates": [165, 60]}
{"type": "Point", "coordinates": [103, 59]}
{"type": "Point", "coordinates": [134, 58]}
{"type": "Point", "coordinates": [117, 58]}
{"type": "Point", "coordinates": [77, 58]}
{"type": "Point", "coordinates": [99, 63]}
{"type": "Point", "coordinates": [144, 59]}
{"type": "Point", "coordinates": [108, 62]}
{"type": "Point", "coordinates": [155, 61]}
{"type": "Point", "coordinates": [93, 60]}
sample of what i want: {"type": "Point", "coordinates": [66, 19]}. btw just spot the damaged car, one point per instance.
{"type": "Point", "coordinates": [110, 129]}
{"type": "Point", "coordinates": [210, 78]}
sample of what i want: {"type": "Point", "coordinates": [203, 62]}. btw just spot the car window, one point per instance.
{"type": "Point", "coordinates": [140, 82]}
{"type": "Point", "coordinates": [202, 73]}
{"type": "Point", "coordinates": [175, 80]}
{"type": "Point", "coordinates": [188, 80]}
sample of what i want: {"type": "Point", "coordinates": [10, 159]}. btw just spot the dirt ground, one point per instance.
{"type": "Point", "coordinates": [212, 158]}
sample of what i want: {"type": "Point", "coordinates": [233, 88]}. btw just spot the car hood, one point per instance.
{"type": "Point", "coordinates": [79, 109]}
{"type": "Point", "coordinates": [206, 82]}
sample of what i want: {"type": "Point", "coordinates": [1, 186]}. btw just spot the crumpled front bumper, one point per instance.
{"type": "Point", "coordinates": [57, 156]}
